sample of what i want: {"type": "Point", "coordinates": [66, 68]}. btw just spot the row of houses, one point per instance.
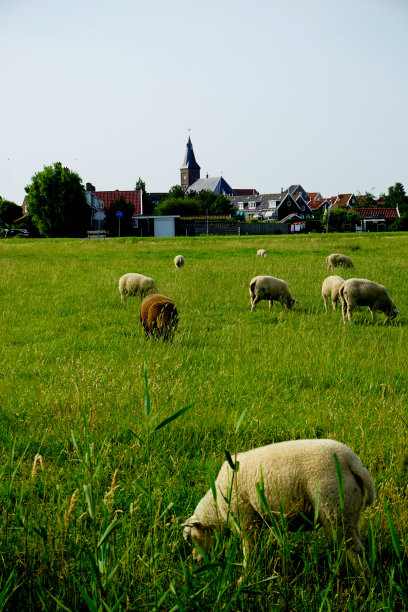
{"type": "Point", "coordinates": [292, 206]}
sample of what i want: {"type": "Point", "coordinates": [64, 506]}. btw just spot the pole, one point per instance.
{"type": "Point", "coordinates": [206, 215]}
{"type": "Point", "coordinates": [119, 229]}
{"type": "Point", "coordinates": [328, 216]}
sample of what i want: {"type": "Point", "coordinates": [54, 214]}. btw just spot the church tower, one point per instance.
{"type": "Point", "coordinates": [190, 170]}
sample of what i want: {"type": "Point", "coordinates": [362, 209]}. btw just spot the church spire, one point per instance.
{"type": "Point", "coordinates": [190, 170]}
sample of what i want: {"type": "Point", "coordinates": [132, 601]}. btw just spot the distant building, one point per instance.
{"type": "Point", "coordinates": [216, 184]}
{"type": "Point", "coordinates": [280, 207]}
{"type": "Point", "coordinates": [190, 170]}
{"type": "Point", "coordinates": [133, 197]}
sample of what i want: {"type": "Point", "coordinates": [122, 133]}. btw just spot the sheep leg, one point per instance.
{"type": "Point", "coordinates": [254, 301]}
{"type": "Point", "coordinates": [334, 304]}
{"type": "Point", "coordinates": [325, 300]}
{"type": "Point", "coordinates": [373, 313]}
{"type": "Point", "coordinates": [270, 304]}
{"type": "Point", "coordinates": [344, 310]}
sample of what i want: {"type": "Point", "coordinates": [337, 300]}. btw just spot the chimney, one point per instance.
{"type": "Point", "coordinates": [89, 187]}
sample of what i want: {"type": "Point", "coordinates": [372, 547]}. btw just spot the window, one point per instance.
{"type": "Point", "coordinates": [272, 203]}
{"type": "Point", "coordinates": [252, 205]}
{"type": "Point", "coordinates": [240, 206]}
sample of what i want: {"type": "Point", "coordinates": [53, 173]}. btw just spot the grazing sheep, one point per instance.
{"type": "Point", "coordinates": [136, 284]}
{"type": "Point", "coordinates": [179, 261]}
{"type": "Point", "coordinates": [272, 289]}
{"type": "Point", "coordinates": [159, 316]}
{"type": "Point", "coordinates": [330, 289]}
{"type": "Point", "coordinates": [362, 292]}
{"type": "Point", "coordinates": [261, 253]}
{"type": "Point", "coordinates": [335, 259]}
{"type": "Point", "coordinates": [301, 476]}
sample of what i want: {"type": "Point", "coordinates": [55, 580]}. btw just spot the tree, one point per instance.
{"type": "Point", "coordinates": [112, 221]}
{"type": "Point", "coordinates": [397, 197]}
{"type": "Point", "coordinates": [147, 204]}
{"type": "Point", "coordinates": [176, 192]}
{"type": "Point", "coordinates": [369, 200]}
{"type": "Point", "coordinates": [195, 204]}
{"type": "Point", "coordinates": [340, 218]}
{"type": "Point", "coordinates": [9, 213]}
{"type": "Point", "coordinates": [56, 202]}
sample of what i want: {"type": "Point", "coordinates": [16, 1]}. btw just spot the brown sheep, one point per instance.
{"type": "Point", "coordinates": [159, 316]}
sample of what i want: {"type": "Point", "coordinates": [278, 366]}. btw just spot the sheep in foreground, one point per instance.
{"type": "Point", "coordinates": [261, 253]}
{"type": "Point", "coordinates": [335, 259]}
{"type": "Point", "coordinates": [159, 316]}
{"type": "Point", "coordinates": [299, 474]}
{"type": "Point", "coordinates": [179, 261]}
{"type": "Point", "coordinates": [271, 289]}
{"type": "Point", "coordinates": [136, 284]}
{"type": "Point", "coordinates": [362, 292]}
{"type": "Point", "coordinates": [330, 289]}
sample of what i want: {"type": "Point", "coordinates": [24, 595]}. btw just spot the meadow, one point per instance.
{"type": "Point", "coordinates": [96, 475]}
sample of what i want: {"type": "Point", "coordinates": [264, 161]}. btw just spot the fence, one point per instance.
{"type": "Point", "coordinates": [230, 228]}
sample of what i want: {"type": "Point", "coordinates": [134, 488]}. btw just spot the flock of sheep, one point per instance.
{"type": "Point", "coordinates": [301, 475]}
{"type": "Point", "coordinates": [351, 293]}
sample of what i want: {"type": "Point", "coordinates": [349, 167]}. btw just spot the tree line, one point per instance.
{"type": "Point", "coordinates": [57, 206]}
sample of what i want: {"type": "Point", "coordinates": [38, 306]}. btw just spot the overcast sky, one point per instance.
{"type": "Point", "coordinates": [275, 92]}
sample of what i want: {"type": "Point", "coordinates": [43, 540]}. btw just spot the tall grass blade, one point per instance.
{"type": "Point", "coordinates": [241, 418]}
{"type": "Point", "coordinates": [147, 395]}
{"type": "Point", "coordinates": [90, 500]}
{"type": "Point", "coordinates": [340, 480]}
{"type": "Point", "coordinates": [114, 524]}
{"type": "Point", "coordinates": [173, 416]}
{"type": "Point", "coordinates": [394, 536]}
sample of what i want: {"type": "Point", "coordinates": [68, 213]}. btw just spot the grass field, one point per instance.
{"type": "Point", "coordinates": [92, 496]}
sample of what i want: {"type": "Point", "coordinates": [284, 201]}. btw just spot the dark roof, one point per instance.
{"type": "Point", "coordinates": [377, 213]}
{"type": "Point", "coordinates": [189, 158]}
{"type": "Point", "coordinates": [216, 184]}
{"type": "Point", "coordinates": [290, 218]}
{"type": "Point", "coordinates": [131, 196]}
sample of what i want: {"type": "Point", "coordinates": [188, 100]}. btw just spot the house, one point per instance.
{"type": "Point", "coordinates": [245, 192]}
{"type": "Point", "coordinates": [133, 197]}
{"type": "Point", "coordinates": [376, 219]}
{"type": "Point", "coordinates": [343, 200]}
{"type": "Point", "coordinates": [270, 207]}
{"type": "Point", "coordinates": [216, 184]}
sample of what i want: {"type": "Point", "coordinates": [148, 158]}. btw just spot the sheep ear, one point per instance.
{"type": "Point", "coordinates": [190, 522]}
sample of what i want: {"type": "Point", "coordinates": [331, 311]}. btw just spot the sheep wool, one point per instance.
{"type": "Point", "coordinates": [271, 289]}
{"type": "Point", "coordinates": [362, 292]}
{"type": "Point", "coordinates": [179, 261]}
{"type": "Point", "coordinates": [132, 284]}
{"type": "Point", "coordinates": [159, 316]}
{"type": "Point", "coordinates": [261, 253]}
{"type": "Point", "coordinates": [336, 259]}
{"type": "Point", "coordinates": [330, 289]}
{"type": "Point", "coordinates": [294, 473]}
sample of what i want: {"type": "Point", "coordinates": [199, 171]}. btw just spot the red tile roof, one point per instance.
{"type": "Point", "coordinates": [377, 213]}
{"type": "Point", "coordinates": [132, 197]}
{"type": "Point", "coordinates": [315, 204]}
{"type": "Point", "coordinates": [313, 194]}
{"type": "Point", "coordinates": [245, 191]}
{"type": "Point", "coordinates": [342, 200]}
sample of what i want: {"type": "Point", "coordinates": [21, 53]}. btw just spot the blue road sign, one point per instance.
{"type": "Point", "coordinates": [119, 214]}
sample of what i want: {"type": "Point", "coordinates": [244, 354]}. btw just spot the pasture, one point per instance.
{"type": "Point", "coordinates": [93, 495]}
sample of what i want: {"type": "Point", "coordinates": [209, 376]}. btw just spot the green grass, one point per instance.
{"type": "Point", "coordinates": [93, 497]}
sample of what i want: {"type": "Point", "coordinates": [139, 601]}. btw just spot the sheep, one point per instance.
{"type": "Point", "coordinates": [335, 259]}
{"type": "Point", "coordinates": [299, 476]}
{"type": "Point", "coordinates": [179, 261]}
{"type": "Point", "coordinates": [362, 292]}
{"type": "Point", "coordinates": [272, 289]}
{"type": "Point", "coordinates": [136, 284]}
{"type": "Point", "coordinates": [159, 316]}
{"type": "Point", "coordinates": [330, 289]}
{"type": "Point", "coordinates": [261, 253]}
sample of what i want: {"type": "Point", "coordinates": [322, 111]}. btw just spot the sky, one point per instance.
{"type": "Point", "coordinates": [274, 93]}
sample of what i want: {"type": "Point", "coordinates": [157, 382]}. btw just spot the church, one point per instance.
{"type": "Point", "coordinates": [190, 180]}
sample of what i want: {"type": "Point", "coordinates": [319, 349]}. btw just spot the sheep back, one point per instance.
{"type": "Point", "coordinates": [336, 259]}
{"type": "Point", "coordinates": [133, 284]}
{"type": "Point", "coordinates": [272, 289]}
{"type": "Point", "coordinates": [159, 316]}
{"type": "Point", "coordinates": [261, 253]}
{"type": "Point", "coordinates": [363, 292]}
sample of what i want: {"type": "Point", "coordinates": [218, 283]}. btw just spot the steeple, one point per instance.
{"type": "Point", "coordinates": [190, 170]}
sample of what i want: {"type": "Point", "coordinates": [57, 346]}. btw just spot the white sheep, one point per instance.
{"type": "Point", "coordinates": [362, 292]}
{"type": "Point", "coordinates": [330, 289]}
{"type": "Point", "coordinates": [271, 289]}
{"type": "Point", "coordinates": [336, 259]}
{"type": "Point", "coordinates": [131, 284]}
{"type": "Point", "coordinates": [261, 253]}
{"type": "Point", "coordinates": [300, 475]}
{"type": "Point", "coordinates": [179, 261]}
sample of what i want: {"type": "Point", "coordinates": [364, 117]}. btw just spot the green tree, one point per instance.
{"type": "Point", "coordinates": [56, 202]}
{"type": "Point", "coordinates": [341, 219]}
{"type": "Point", "coordinates": [397, 197]}
{"type": "Point", "coordinates": [186, 207]}
{"type": "Point", "coordinates": [176, 192]}
{"type": "Point", "coordinates": [147, 204]}
{"type": "Point", "coordinates": [369, 200]}
{"type": "Point", "coordinates": [195, 204]}
{"type": "Point", "coordinates": [112, 221]}
{"type": "Point", "coordinates": [9, 213]}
